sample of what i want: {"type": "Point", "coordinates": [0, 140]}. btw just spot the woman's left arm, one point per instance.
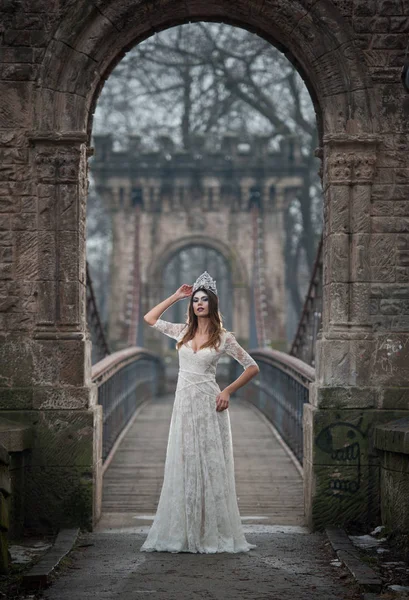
{"type": "Point", "coordinates": [244, 378]}
{"type": "Point", "coordinates": [251, 368]}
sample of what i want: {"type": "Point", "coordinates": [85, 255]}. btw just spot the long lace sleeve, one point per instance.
{"type": "Point", "coordinates": [173, 330]}
{"type": "Point", "coordinates": [233, 349]}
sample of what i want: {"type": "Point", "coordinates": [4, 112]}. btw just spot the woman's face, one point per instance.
{"type": "Point", "coordinates": [200, 303]}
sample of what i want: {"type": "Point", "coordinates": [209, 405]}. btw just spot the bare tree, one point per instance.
{"type": "Point", "coordinates": [204, 79]}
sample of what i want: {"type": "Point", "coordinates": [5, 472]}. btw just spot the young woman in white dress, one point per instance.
{"type": "Point", "coordinates": [197, 509]}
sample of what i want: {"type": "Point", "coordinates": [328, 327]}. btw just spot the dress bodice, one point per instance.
{"type": "Point", "coordinates": [204, 360]}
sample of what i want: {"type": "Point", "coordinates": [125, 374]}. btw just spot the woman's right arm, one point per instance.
{"type": "Point", "coordinates": [154, 314]}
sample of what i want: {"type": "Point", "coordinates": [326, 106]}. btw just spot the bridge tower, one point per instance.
{"type": "Point", "coordinates": [167, 201]}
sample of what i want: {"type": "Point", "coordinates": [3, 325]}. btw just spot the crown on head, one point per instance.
{"type": "Point", "coordinates": [205, 281]}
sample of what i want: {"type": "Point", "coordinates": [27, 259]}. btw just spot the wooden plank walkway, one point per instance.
{"type": "Point", "coordinates": [268, 485]}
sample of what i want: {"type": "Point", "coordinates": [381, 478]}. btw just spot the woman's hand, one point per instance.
{"type": "Point", "coordinates": [222, 401]}
{"type": "Point", "coordinates": [184, 291]}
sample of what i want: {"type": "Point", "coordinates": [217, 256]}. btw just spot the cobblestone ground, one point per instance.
{"type": "Point", "coordinates": [288, 563]}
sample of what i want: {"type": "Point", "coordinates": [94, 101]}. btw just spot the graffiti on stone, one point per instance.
{"type": "Point", "coordinates": [342, 442]}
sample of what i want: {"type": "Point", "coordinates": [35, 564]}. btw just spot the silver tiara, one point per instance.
{"type": "Point", "coordinates": [205, 281]}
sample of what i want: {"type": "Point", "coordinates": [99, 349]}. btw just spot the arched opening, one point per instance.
{"type": "Point", "coordinates": [317, 39]}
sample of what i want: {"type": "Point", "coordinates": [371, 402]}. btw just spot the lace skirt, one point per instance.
{"type": "Point", "coordinates": [197, 509]}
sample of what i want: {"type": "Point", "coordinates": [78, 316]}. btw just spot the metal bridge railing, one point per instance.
{"type": "Point", "coordinates": [100, 347]}
{"type": "Point", "coordinates": [280, 391]}
{"type": "Point", "coordinates": [303, 346]}
{"type": "Point", "coordinates": [125, 379]}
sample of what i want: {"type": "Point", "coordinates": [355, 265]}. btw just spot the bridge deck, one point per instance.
{"type": "Point", "coordinates": [268, 485]}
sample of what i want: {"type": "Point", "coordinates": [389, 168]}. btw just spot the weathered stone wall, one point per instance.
{"type": "Point", "coordinates": [54, 58]}
{"type": "Point", "coordinates": [392, 444]}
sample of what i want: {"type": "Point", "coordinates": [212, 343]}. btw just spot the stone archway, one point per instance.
{"type": "Point", "coordinates": [48, 117]}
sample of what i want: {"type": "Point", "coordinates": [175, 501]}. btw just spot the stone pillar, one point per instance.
{"type": "Point", "coordinates": [45, 348]}
{"type": "Point", "coordinates": [341, 466]}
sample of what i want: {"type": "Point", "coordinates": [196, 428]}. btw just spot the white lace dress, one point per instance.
{"type": "Point", "coordinates": [197, 509]}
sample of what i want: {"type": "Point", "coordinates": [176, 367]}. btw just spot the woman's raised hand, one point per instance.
{"type": "Point", "coordinates": [184, 291]}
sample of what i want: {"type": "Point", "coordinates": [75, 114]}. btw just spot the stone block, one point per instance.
{"type": "Point", "coordinates": [339, 207]}
{"type": "Point", "coordinates": [5, 224]}
{"type": "Point", "coordinates": [345, 362]}
{"type": "Point", "coordinates": [18, 322]}
{"type": "Point", "coordinates": [6, 271]}
{"type": "Point", "coordinates": [15, 105]}
{"type": "Point", "coordinates": [390, 307]}
{"type": "Point", "coordinates": [390, 359]}
{"type": "Point", "coordinates": [373, 306]}
{"type": "Point", "coordinates": [47, 257]}
{"type": "Point", "coordinates": [61, 437]}
{"type": "Point", "coordinates": [360, 209]}
{"type": "Point", "coordinates": [359, 302]}
{"type": "Point", "coordinates": [16, 398]}
{"type": "Point", "coordinates": [42, 6]}
{"type": "Point", "coordinates": [17, 188]}
{"type": "Point", "coordinates": [402, 258]}
{"type": "Point", "coordinates": [360, 260]}
{"type": "Point", "coordinates": [375, 24]}
{"type": "Point", "coordinates": [68, 207]}
{"type": "Point", "coordinates": [382, 192]}
{"type": "Point", "coordinates": [390, 224]}
{"type": "Point", "coordinates": [26, 255]}
{"type": "Point", "coordinates": [29, 37]}
{"type": "Point", "coordinates": [10, 204]}
{"type": "Point", "coordinates": [338, 258]}
{"type": "Point", "coordinates": [9, 303]}
{"type": "Point", "coordinates": [399, 24]}
{"type": "Point", "coordinates": [13, 354]}
{"type": "Point", "coordinates": [381, 209]}
{"type": "Point", "coordinates": [30, 20]}
{"type": "Point", "coordinates": [401, 209]}
{"type": "Point", "coordinates": [394, 494]}
{"type": "Point", "coordinates": [338, 302]}
{"type": "Point", "coordinates": [47, 212]}
{"type": "Point", "coordinates": [68, 256]}
{"type": "Point", "coordinates": [394, 398]}
{"type": "Point", "coordinates": [383, 274]}
{"type": "Point", "coordinates": [5, 237]}
{"type": "Point", "coordinates": [16, 436]}
{"type": "Point", "coordinates": [365, 8]}
{"type": "Point", "coordinates": [63, 362]}
{"type": "Point", "coordinates": [343, 397]}
{"type": "Point", "coordinates": [387, 290]}
{"type": "Point", "coordinates": [67, 398]}
{"type": "Point", "coordinates": [29, 204]}
{"type": "Point", "coordinates": [100, 28]}
{"type": "Point", "coordinates": [18, 72]}
{"type": "Point", "coordinates": [57, 497]}
{"type": "Point", "coordinates": [16, 54]}
{"type": "Point", "coordinates": [69, 303]}
{"type": "Point", "coordinates": [393, 436]}
{"type": "Point", "coordinates": [6, 254]}
{"type": "Point", "coordinates": [402, 274]}
{"type": "Point", "coordinates": [381, 251]}
{"type": "Point", "coordinates": [46, 299]}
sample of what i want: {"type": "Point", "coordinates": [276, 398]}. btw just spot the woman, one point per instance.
{"type": "Point", "coordinates": [197, 509]}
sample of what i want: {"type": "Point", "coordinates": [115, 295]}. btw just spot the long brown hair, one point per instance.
{"type": "Point", "coordinates": [215, 322]}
